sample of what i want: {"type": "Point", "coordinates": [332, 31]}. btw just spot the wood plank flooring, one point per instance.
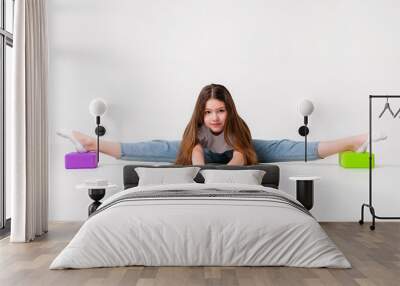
{"type": "Point", "coordinates": [374, 255]}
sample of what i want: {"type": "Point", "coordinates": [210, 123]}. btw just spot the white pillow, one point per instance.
{"type": "Point", "coordinates": [248, 177]}
{"type": "Point", "coordinates": [164, 176]}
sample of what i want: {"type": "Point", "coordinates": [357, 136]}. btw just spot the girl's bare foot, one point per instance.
{"type": "Point", "coordinates": [81, 142]}
{"type": "Point", "coordinates": [353, 143]}
{"type": "Point", "coordinates": [85, 143]}
{"type": "Point", "coordinates": [89, 143]}
{"type": "Point", "coordinates": [378, 136]}
{"type": "Point", "coordinates": [358, 141]}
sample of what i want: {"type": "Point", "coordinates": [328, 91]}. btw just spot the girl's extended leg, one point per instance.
{"type": "Point", "coordinates": [153, 150]}
{"type": "Point", "coordinates": [288, 150]}
{"type": "Point", "coordinates": [327, 148]}
{"type": "Point", "coordinates": [267, 150]}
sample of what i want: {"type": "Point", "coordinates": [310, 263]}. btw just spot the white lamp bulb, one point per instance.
{"type": "Point", "coordinates": [306, 107]}
{"type": "Point", "coordinates": [97, 107]}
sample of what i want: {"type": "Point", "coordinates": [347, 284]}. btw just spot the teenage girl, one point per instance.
{"type": "Point", "coordinates": [217, 134]}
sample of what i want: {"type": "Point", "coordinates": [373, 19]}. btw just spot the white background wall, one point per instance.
{"type": "Point", "coordinates": [149, 60]}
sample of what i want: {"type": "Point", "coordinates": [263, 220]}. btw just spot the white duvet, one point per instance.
{"type": "Point", "coordinates": [200, 231]}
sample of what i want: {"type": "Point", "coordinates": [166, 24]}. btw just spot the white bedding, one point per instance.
{"type": "Point", "coordinates": [200, 231]}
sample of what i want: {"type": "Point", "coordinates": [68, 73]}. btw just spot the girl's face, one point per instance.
{"type": "Point", "coordinates": [215, 115]}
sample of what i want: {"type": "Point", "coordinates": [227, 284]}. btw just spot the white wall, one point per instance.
{"type": "Point", "coordinates": [149, 60]}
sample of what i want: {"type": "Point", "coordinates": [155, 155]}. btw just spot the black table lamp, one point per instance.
{"type": "Point", "coordinates": [97, 108]}
{"type": "Point", "coordinates": [306, 107]}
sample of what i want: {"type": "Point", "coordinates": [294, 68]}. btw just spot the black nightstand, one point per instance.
{"type": "Point", "coordinates": [96, 193]}
{"type": "Point", "coordinates": [305, 190]}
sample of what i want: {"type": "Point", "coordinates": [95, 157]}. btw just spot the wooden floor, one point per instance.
{"type": "Point", "coordinates": [374, 255]}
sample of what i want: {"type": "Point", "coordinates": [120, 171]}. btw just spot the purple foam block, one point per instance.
{"type": "Point", "coordinates": [76, 160]}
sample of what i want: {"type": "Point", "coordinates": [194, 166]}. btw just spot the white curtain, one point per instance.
{"type": "Point", "coordinates": [29, 140]}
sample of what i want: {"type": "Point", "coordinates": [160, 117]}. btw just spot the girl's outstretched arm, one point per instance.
{"type": "Point", "coordinates": [198, 155]}
{"type": "Point", "coordinates": [237, 159]}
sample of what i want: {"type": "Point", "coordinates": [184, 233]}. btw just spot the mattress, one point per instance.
{"type": "Point", "coordinates": [201, 225]}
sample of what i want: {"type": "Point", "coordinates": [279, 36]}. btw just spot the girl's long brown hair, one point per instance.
{"type": "Point", "coordinates": [236, 132]}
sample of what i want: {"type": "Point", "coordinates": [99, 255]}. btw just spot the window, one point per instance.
{"type": "Point", "coordinates": [6, 44]}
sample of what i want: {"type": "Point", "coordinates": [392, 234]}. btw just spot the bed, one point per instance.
{"type": "Point", "coordinates": [198, 224]}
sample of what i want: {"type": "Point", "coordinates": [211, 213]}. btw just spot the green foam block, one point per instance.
{"type": "Point", "coordinates": [350, 159]}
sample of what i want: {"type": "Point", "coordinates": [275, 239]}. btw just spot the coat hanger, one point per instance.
{"type": "Point", "coordinates": [397, 113]}
{"type": "Point", "coordinates": [387, 107]}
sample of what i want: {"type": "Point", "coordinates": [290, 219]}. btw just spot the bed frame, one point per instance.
{"type": "Point", "coordinates": [270, 179]}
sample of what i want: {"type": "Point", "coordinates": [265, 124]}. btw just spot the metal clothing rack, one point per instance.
{"type": "Point", "coordinates": [370, 206]}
